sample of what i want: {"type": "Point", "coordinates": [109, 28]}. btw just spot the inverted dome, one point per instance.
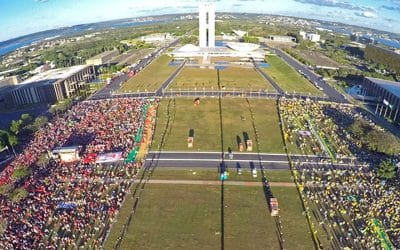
{"type": "Point", "coordinates": [245, 47]}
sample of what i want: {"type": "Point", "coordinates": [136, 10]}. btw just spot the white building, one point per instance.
{"type": "Point", "coordinates": [154, 38]}
{"type": "Point", "coordinates": [232, 49]}
{"type": "Point", "coordinates": [206, 25]}
{"type": "Point", "coordinates": [303, 34]}
{"type": "Point", "coordinates": [207, 48]}
{"type": "Point", "coordinates": [313, 37]}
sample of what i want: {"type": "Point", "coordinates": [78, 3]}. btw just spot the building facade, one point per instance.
{"type": "Point", "coordinates": [387, 94]}
{"type": "Point", "coordinates": [206, 25]}
{"type": "Point", "coordinates": [282, 39]}
{"type": "Point", "coordinates": [52, 86]}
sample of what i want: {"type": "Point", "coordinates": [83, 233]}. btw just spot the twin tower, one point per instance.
{"type": "Point", "coordinates": [206, 25]}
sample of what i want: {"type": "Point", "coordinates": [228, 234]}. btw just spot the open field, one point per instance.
{"type": "Point", "coordinates": [288, 78]}
{"type": "Point", "coordinates": [150, 78]}
{"type": "Point", "coordinates": [317, 58]}
{"type": "Point", "coordinates": [190, 217]}
{"type": "Point", "coordinates": [204, 121]}
{"type": "Point", "coordinates": [231, 78]}
{"type": "Point", "coordinates": [212, 174]}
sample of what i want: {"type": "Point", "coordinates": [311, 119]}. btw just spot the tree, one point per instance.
{"type": "Point", "coordinates": [2, 144]}
{"type": "Point", "coordinates": [39, 122]}
{"type": "Point", "coordinates": [15, 126]}
{"type": "Point", "coordinates": [26, 118]}
{"type": "Point", "coordinates": [386, 170]}
{"type": "Point", "coordinates": [21, 172]}
{"type": "Point", "coordinates": [18, 194]}
{"type": "Point", "coordinates": [12, 139]}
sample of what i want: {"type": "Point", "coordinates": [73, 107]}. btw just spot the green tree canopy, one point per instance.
{"type": "Point", "coordinates": [18, 194]}
{"type": "Point", "coordinates": [20, 172]}
{"type": "Point", "coordinates": [386, 170]}
{"type": "Point", "coordinates": [16, 126]}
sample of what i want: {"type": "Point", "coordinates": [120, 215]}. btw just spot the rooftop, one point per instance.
{"type": "Point", "coordinates": [105, 53]}
{"type": "Point", "coordinates": [54, 75]}
{"type": "Point", "coordinates": [391, 86]}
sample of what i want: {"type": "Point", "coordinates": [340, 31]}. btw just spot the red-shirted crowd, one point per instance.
{"type": "Point", "coordinates": [72, 204]}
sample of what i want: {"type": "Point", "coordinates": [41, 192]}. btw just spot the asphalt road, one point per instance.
{"type": "Point", "coordinates": [239, 160]}
{"type": "Point", "coordinates": [333, 94]}
{"type": "Point", "coordinates": [115, 83]}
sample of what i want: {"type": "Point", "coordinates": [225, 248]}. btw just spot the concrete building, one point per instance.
{"type": "Point", "coordinates": [156, 38]}
{"type": "Point", "coordinates": [102, 58]}
{"type": "Point", "coordinates": [303, 34]}
{"type": "Point", "coordinates": [387, 95]}
{"type": "Point", "coordinates": [51, 86]}
{"type": "Point", "coordinates": [282, 39]}
{"type": "Point", "coordinates": [314, 37]}
{"type": "Point", "coordinates": [11, 80]}
{"type": "Point", "coordinates": [207, 48]}
{"type": "Point", "coordinates": [207, 25]}
{"type": "Point", "coordinates": [232, 49]}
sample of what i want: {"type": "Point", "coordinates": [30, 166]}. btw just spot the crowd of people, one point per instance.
{"type": "Point", "coordinates": [71, 204]}
{"type": "Point", "coordinates": [313, 132]}
{"type": "Point", "coordinates": [354, 208]}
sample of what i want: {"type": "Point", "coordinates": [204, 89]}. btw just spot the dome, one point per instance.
{"type": "Point", "coordinates": [189, 48]}
{"type": "Point", "coordinates": [244, 47]}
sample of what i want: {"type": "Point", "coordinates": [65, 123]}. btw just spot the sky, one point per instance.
{"type": "Point", "coordinates": [21, 17]}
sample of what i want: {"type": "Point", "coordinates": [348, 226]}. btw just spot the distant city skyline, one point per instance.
{"type": "Point", "coordinates": [22, 17]}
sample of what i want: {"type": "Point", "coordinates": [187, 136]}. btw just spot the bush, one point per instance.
{"type": "Point", "coordinates": [18, 194]}
{"type": "Point", "coordinates": [21, 172]}
{"type": "Point", "coordinates": [5, 189]}
{"type": "Point", "coordinates": [386, 170]}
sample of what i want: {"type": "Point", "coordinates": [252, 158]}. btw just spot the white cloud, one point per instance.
{"type": "Point", "coordinates": [367, 14]}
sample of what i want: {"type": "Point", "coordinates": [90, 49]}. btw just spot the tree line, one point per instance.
{"type": "Point", "coordinates": [384, 56]}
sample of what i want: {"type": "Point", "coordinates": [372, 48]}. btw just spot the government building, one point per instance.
{"type": "Point", "coordinates": [49, 86]}
{"type": "Point", "coordinates": [207, 46]}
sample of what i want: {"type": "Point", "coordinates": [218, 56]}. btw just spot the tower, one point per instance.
{"type": "Point", "coordinates": [206, 25]}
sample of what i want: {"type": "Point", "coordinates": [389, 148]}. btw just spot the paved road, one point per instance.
{"type": "Point", "coordinates": [170, 79]}
{"type": "Point", "coordinates": [240, 160]}
{"type": "Point", "coordinates": [269, 79]}
{"type": "Point", "coordinates": [333, 94]}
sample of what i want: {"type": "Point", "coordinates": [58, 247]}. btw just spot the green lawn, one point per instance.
{"type": "Point", "coordinates": [189, 217]}
{"type": "Point", "coordinates": [205, 122]}
{"type": "Point", "coordinates": [212, 174]}
{"type": "Point", "coordinates": [288, 78]}
{"type": "Point", "coordinates": [179, 217]}
{"type": "Point", "coordinates": [231, 78]}
{"type": "Point", "coordinates": [151, 77]}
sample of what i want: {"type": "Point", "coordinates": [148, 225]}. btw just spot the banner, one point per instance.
{"type": "Point", "coordinates": [66, 205]}
{"type": "Point", "coordinates": [90, 158]}
{"type": "Point", "coordinates": [132, 156]}
{"type": "Point", "coordinates": [304, 133]}
{"type": "Point", "coordinates": [109, 157]}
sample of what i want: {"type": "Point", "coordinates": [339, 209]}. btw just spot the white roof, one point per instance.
{"type": "Point", "coordinates": [55, 74]}
{"type": "Point", "coordinates": [243, 46]}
